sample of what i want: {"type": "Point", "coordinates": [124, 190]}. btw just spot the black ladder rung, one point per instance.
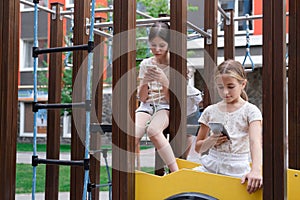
{"type": "Point", "coordinates": [61, 162]}
{"type": "Point", "coordinates": [88, 47]}
{"type": "Point", "coordinates": [38, 106]}
{"type": "Point", "coordinates": [84, 163]}
{"type": "Point", "coordinates": [94, 186]}
{"type": "Point", "coordinates": [102, 128]}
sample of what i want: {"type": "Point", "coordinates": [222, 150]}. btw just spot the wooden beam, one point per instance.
{"type": "Point", "coordinates": [81, 13]}
{"type": "Point", "coordinates": [229, 46]}
{"type": "Point", "coordinates": [9, 65]}
{"type": "Point", "coordinates": [54, 96]}
{"type": "Point", "coordinates": [294, 85]}
{"type": "Point", "coordinates": [210, 53]}
{"type": "Point", "coordinates": [178, 71]}
{"type": "Point", "coordinates": [274, 109]}
{"type": "Point", "coordinates": [124, 100]}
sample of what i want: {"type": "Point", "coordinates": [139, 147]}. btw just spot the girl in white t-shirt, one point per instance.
{"type": "Point", "coordinates": [152, 116]}
{"type": "Point", "coordinates": [243, 122]}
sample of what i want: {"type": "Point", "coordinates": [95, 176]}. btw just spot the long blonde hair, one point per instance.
{"type": "Point", "coordinates": [235, 70]}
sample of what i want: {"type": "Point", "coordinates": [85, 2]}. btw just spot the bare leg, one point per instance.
{"type": "Point", "coordinates": [159, 122]}
{"type": "Point", "coordinates": [141, 118]}
{"type": "Point", "coordinates": [189, 141]}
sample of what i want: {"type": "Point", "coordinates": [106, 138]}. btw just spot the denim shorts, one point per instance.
{"type": "Point", "coordinates": [151, 108]}
{"type": "Point", "coordinates": [192, 123]}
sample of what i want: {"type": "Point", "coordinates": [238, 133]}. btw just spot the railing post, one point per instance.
{"type": "Point", "coordinates": [9, 65]}
{"type": "Point", "coordinates": [54, 96]}
{"type": "Point", "coordinates": [229, 46]}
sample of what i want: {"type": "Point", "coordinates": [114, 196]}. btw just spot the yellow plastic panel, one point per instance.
{"type": "Point", "coordinates": [152, 187]}
{"type": "Point", "coordinates": [293, 182]}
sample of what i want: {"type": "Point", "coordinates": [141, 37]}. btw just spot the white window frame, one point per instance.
{"type": "Point", "coordinates": [236, 23]}
{"type": "Point", "coordinates": [26, 8]}
{"type": "Point", "coordinates": [66, 125]}
{"type": "Point", "coordinates": [23, 55]}
{"type": "Point", "coordinates": [22, 124]}
{"type": "Point", "coordinates": [69, 3]}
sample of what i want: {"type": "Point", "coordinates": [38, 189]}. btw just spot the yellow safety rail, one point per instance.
{"type": "Point", "coordinates": [186, 180]}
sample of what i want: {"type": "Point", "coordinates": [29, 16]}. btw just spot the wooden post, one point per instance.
{"type": "Point", "coordinates": [274, 109]}
{"type": "Point", "coordinates": [294, 85]}
{"type": "Point", "coordinates": [54, 96]}
{"type": "Point", "coordinates": [81, 14]}
{"type": "Point", "coordinates": [96, 114]}
{"type": "Point", "coordinates": [9, 65]}
{"type": "Point", "coordinates": [124, 100]}
{"type": "Point", "coordinates": [178, 71]}
{"type": "Point", "coordinates": [229, 46]}
{"type": "Point", "coordinates": [210, 47]}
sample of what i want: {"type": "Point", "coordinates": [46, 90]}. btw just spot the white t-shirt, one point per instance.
{"type": "Point", "coordinates": [155, 88]}
{"type": "Point", "coordinates": [236, 124]}
{"type": "Point", "coordinates": [194, 97]}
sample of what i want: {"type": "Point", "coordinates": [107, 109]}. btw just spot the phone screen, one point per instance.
{"type": "Point", "coordinates": [149, 66]}
{"type": "Point", "coordinates": [218, 128]}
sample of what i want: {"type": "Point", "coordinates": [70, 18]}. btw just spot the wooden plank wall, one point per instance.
{"type": "Point", "coordinates": [81, 13]}
{"type": "Point", "coordinates": [178, 64]}
{"type": "Point", "coordinates": [54, 96]}
{"type": "Point", "coordinates": [294, 85]}
{"type": "Point", "coordinates": [274, 99]}
{"type": "Point", "coordinates": [124, 100]}
{"type": "Point", "coordinates": [9, 64]}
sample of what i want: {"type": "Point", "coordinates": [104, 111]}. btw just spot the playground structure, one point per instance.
{"type": "Point", "coordinates": [274, 78]}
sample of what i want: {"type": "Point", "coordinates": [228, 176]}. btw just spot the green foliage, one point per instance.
{"type": "Point", "coordinates": [142, 49]}
{"type": "Point", "coordinates": [66, 95]}
{"type": "Point", "coordinates": [192, 8]}
{"type": "Point", "coordinates": [42, 80]}
{"type": "Point", "coordinates": [156, 7]}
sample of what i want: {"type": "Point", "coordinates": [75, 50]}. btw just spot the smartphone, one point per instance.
{"type": "Point", "coordinates": [150, 66]}
{"type": "Point", "coordinates": [218, 128]}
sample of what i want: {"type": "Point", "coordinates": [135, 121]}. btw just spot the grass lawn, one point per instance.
{"type": "Point", "coordinates": [24, 178]}
{"type": "Point", "coordinates": [63, 147]}
{"type": "Point", "coordinates": [41, 147]}
{"type": "Point", "coordinates": [24, 171]}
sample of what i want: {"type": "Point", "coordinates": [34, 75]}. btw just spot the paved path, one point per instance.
{"type": "Point", "coordinates": [62, 196]}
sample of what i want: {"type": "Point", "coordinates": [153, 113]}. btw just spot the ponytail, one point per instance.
{"type": "Point", "coordinates": [244, 95]}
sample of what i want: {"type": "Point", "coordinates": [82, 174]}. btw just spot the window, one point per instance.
{"type": "Point", "coordinates": [241, 8]}
{"type": "Point", "coordinates": [24, 7]}
{"type": "Point", "coordinates": [26, 52]}
{"type": "Point", "coordinates": [69, 3]}
{"type": "Point", "coordinates": [26, 120]}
